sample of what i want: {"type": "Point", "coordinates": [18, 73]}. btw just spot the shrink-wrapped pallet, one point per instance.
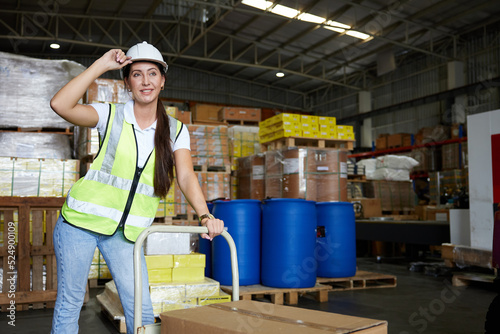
{"type": "Point", "coordinates": [251, 177]}
{"type": "Point", "coordinates": [37, 177]}
{"type": "Point", "coordinates": [35, 145]}
{"type": "Point", "coordinates": [393, 195]}
{"type": "Point", "coordinates": [317, 174]}
{"type": "Point", "coordinates": [28, 85]}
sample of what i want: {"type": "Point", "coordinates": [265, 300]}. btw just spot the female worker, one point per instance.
{"type": "Point", "coordinates": [118, 197]}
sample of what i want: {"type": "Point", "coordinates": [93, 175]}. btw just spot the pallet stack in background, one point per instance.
{"type": "Point", "coordinates": [441, 178]}
{"type": "Point", "coordinates": [36, 171]}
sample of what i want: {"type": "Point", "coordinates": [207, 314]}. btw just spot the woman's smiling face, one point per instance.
{"type": "Point", "coordinates": [145, 80]}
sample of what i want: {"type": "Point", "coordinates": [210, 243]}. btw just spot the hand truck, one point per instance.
{"type": "Point", "coordinates": [155, 328]}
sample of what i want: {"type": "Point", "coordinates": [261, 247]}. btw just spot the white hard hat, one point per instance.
{"type": "Point", "coordinates": [146, 52]}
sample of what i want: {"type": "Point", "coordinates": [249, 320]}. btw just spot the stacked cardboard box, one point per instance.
{"type": "Point", "coordinates": [206, 113]}
{"type": "Point", "coordinates": [166, 208]}
{"type": "Point", "coordinates": [175, 268]}
{"type": "Point", "coordinates": [209, 145]}
{"type": "Point", "coordinates": [308, 173]}
{"type": "Point", "coordinates": [183, 116]}
{"type": "Point", "coordinates": [345, 132]}
{"type": "Point", "coordinates": [454, 156]}
{"type": "Point", "coordinates": [37, 177]}
{"type": "Point", "coordinates": [214, 185]}
{"type": "Point", "coordinates": [273, 178]}
{"type": "Point", "coordinates": [239, 114]}
{"type": "Point", "coordinates": [178, 281]}
{"type": "Point", "coordinates": [281, 125]}
{"type": "Point", "coordinates": [315, 174]}
{"type": "Point", "coordinates": [170, 296]}
{"type": "Point", "coordinates": [251, 177]}
{"type": "Point", "coordinates": [243, 142]}
{"type": "Point", "coordinates": [393, 195]}
{"type": "Point", "coordinates": [429, 159]}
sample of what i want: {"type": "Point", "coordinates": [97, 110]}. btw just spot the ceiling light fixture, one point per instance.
{"type": "Point", "coordinates": [280, 74]}
{"type": "Point", "coordinates": [55, 46]}
{"type": "Point", "coordinates": [260, 4]}
{"type": "Point", "coordinates": [293, 13]}
{"type": "Point", "coordinates": [311, 18]}
{"type": "Point", "coordinates": [285, 11]}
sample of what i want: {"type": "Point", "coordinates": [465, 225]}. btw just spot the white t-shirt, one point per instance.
{"type": "Point", "coordinates": [146, 137]}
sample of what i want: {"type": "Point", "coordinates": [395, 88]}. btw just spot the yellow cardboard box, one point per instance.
{"type": "Point", "coordinates": [189, 260]}
{"type": "Point", "coordinates": [186, 274]}
{"type": "Point", "coordinates": [161, 275]}
{"type": "Point", "coordinates": [159, 261]}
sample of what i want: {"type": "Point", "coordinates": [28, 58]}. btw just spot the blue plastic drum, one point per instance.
{"type": "Point", "coordinates": [336, 240]}
{"type": "Point", "coordinates": [243, 221]}
{"type": "Point", "coordinates": [288, 242]}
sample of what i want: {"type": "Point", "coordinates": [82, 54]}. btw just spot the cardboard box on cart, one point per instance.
{"type": "Point", "coordinates": [246, 316]}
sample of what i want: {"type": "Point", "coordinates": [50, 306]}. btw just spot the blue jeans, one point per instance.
{"type": "Point", "coordinates": [74, 249]}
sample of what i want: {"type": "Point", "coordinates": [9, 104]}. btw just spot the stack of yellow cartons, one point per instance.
{"type": "Point", "coordinates": [166, 208]}
{"type": "Point", "coordinates": [309, 125]}
{"type": "Point", "coordinates": [99, 269]}
{"type": "Point", "coordinates": [345, 132]}
{"type": "Point", "coordinates": [244, 141]}
{"type": "Point", "coordinates": [214, 185]}
{"type": "Point", "coordinates": [279, 126]}
{"type": "Point", "coordinates": [178, 281]}
{"type": "Point", "coordinates": [327, 127]}
{"type": "Point", "coordinates": [295, 125]}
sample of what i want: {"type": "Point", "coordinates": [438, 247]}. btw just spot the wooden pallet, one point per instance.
{"type": "Point", "coordinates": [308, 142]}
{"type": "Point", "coordinates": [464, 279]}
{"type": "Point", "coordinates": [205, 168]}
{"type": "Point", "coordinates": [241, 122]}
{"type": "Point", "coordinates": [356, 177]}
{"type": "Point", "coordinates": [280, 295]}
{"type": "Point", "coordinates": [30, 255]}
{"type": "Point", "coordinates": [65, 131]}
{"type": "Point", "coordinates": [362, 280]}
{"type": "Point", "coordinates": [113, 312]}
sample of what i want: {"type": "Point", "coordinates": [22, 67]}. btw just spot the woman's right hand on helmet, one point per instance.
{"type": "Point", "coordinates": [114, 59]}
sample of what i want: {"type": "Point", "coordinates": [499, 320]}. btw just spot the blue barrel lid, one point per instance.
{"type": "Point", "coordinates": [298, 200]}
{"type": "Point", "coordinates": [237, 201]}
{"type": "Point", "coordinates": [335, 203]}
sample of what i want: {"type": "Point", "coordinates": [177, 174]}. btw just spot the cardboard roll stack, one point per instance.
{"type": "Point", "coordinates": [317, 174]}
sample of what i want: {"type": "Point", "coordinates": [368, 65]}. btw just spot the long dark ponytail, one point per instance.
{"type": "Point", "coordinates": [164, 166]}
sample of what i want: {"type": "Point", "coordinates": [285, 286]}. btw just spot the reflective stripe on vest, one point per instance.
{"type": "Point", "coordinates": [105, 196]}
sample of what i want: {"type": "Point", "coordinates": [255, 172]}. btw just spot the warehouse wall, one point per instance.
{"type": "Point", "coordinates": [419, 77]}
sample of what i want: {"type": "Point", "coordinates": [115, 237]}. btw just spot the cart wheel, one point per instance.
{"type": "Point", "coordinates": [492, 324]}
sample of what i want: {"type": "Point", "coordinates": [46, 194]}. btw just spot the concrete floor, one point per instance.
{"type": "Point", "coordinates": [419, 304]}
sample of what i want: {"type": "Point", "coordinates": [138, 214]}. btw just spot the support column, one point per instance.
{"type": "Point", "coordinates": [456, 78]}
{"type": "Point", "coordinates": [365, 105]}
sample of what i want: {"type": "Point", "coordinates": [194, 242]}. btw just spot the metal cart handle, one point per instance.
{"type": "Point", "coordinates": [175, 229]}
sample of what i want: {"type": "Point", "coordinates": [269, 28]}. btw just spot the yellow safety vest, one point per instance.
{"type": "Point", "coordinates": [115, 191]}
